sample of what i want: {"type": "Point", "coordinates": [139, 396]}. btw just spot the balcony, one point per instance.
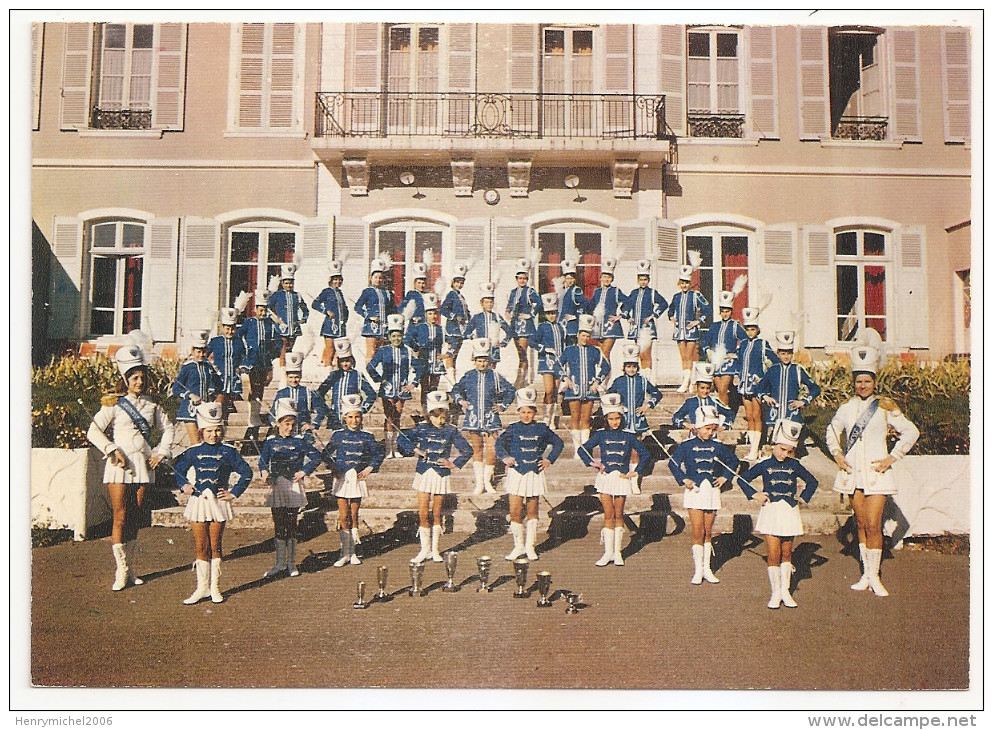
{"type": "Point", "coordinates": [473, 122]}
{"type": "Point", "coordinates": [121, 118]}
{"type": "Point", "coordinates": [720, 126]}
{"type": "Point", "coordinates": [861, 128]}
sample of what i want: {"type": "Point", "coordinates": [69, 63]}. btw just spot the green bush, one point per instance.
{"type": "Point", "coordinates": [66, 393]}
{"type": "Point", "coordinates": [934, 396]}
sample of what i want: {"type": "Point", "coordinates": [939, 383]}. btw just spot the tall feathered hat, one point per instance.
{"type": "Point", "coordinates": [229, 315]}
{"type": "Point", "coordinates": [285, 407]}
{"type": "Point", "coordinates": [430, 301]}
{"type": "Point", "coordinates": [351, 403]}
{"type": "Point", "coordinates": [378, 265]}
{"type": "Point", "coordinates": [522, 266]}
{"type": "Point", "coordinates": [865, 359]}
{"type": "Point", "coordinates": [335, 267]}
{"type": "Point", "coordinates": [199, 339]}
{"type": "Point", "coordinates": [643, 267]}
{"type": "Point", "coordinates": [787, 433]}
{"type": "Point", "coordinates": [550, 302]}
{"type": "Point", "coordinates": [342, 348]}
{"type": "Point", "coordinates": [487, 290]}
{"type": "Point", "coordinates": [568, 267]}
{"type": "Point", "coordinates": [607, 266]}
{"type": "Point", "coordinates": [209, 414]}
{"type": "Point", "coordinates": [527, 398]}
{"type": "Point", "coordinates": [287, 271]}
{"type": "Point", "coordinates": [786, 341]}
{"type": "Point", "coordinates": [703, 372]}
{"type": "Point", "coordinates": [394, 323]}
{"type": "Point", "coordinates": [480, 347]}
{"type": "Point", "coordinates": [611, 403]}
{"type": "Point", "coordinates": [630, 352]}
{"type": "Point", "coordinates": [261, 297]}
{"type": "Point", "coordinates": [586, 323]}
{"type": "Point", "coordinates": [418, 270]}
{"type": "Point", "coordinates": [294, 362]}
{"type": "Point", "coordinates": [436, 400]}
{"type": "Point", "coordinates": [459, 271]}
{"type": "Point", "coordinates": [128, 358]}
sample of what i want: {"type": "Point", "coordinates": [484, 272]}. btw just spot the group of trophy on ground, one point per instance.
{"type": "Point", "coordinates": [407, 348]}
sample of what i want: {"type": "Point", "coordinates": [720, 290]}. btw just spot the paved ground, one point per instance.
{"type": "Point", "coordinates": [641, 626]}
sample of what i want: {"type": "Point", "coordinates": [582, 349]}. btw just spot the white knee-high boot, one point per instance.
{"type": "Point", "coordinates": [685, 385]}
{"type": "Point", "coordinates": [618, 537]}
{"type": "Point", "coordinates": [488, 478]}
{"type": "Point", "coordinates": [131, 556]}
{"type": "Point", "coordinates": [215, 581]}
{"type": "Point", "coordinates": [785, 578]}
{"type": "Point", "coordinates": [435, 541]}
{"type": "Point", "coordinates": [775, 580]}
{"type": "Point", "coordinates": [424, 534]}
{"type": "Point", "coordinates": [753, 440]}
{"type": "Point", "coordinates": [607, 538]}
{"type": "Point", "coordinates": [121, 574]}
{"type": "Point", "coordinates": [346, 548]}
{"type": "Point", "coordinates": [354, 559]}
{"type": "Point", "coordinates": [517, 531]}
{"type": "Point", "coordinates": [584, 436]}
{"type": "Point", "coordinates": [873, 558]}
{"type": "Point", "coordinates": [280, 565]}
{"type": "Point", "coordinates": [708, 553]}
{"type": "Point", "coordinates": [202, 568]}
{"type": "Point", "coordinates": [697, 578]}
{"type": "Point", "coordinates": [477, 470]}
{"type": "Point", "coordinates": [530, 537]}
{"type": "Point", "coordinates": [576, 443]}
{"type": "Point", "coordinates": [862, 583]}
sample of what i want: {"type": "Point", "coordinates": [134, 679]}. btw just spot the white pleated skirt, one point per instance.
{"type": "Point", "coordinates": [531, 484]}
{"type": "Point", "coordinates": [286, 493]}
{"type": "Point", "coordinates": [616, 484]}
{"type": "Point", "coordinates": [135, 470]}
{"type": "Point", "coordinates": [431, 482]}
{"type": "Point", "coordinates": [349, 486]}
{"type": "Point", "coordinates": [780, 519]}
{"type": "Point", "coordinates": [206, 507]}
{"type": "Point", "coordinates": [706, 496]}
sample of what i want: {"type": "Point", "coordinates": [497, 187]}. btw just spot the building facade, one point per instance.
{"type": "Point", "coordinates": [175, 165]}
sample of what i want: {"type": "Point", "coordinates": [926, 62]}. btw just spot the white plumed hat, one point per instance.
{"type": "Point", "coordinates": [128, 358]}
{"type": "Point", "coordinates": [199, 339]}
{"type": "Point", "coordinates": [787, 433]}
{"type": "Point", "coordinates": [342, 348]}
{"type": "Point", "coordinates": [707, 416]}
{"type": "Point", "coordinates": [522, 266]}
{"type": "Point", "coordinates": [261, 297]}
{"type": "Point", "coordinates": [703, 372]}
{"type": "Point", "coordinates": [568, 267]}
{"type": "Point", "coordinates": [750, 316]}
{"type": "Point", "coordinates": [285, 407]}
{"type": "Point", "coordinates": [725, 300]}
{"type": "Point", "coordinates": [630, 352]}
{"type": "Point", "coordinates": [550, 302]}
{"type": "Point", "coordinates": [209, 414]}
{"type": "Point", "coordinates": [436, 400]}
{"type": "Point", "coordinates": [394, 323]}
{"type": "Point", "coordinates": [229, 315]}
{"type": "Point", "coordinates": [334, 268]}
{"type": "Point", "coordinates": [487, 290]}
{"type": "Point", "coordinates": [865, 359]}
{"type": "Point", "coordinates": [351, 403]}
{"type": "Point", "coordinates": [685, 272]}
{"type": "Point", "coordinates": [480, 347]}
{"type": "Point", "coordinates": [419, 270]}
{"type": "Point", "coordinates": [786, 341]}
{"type": "Point", "coordinates": [459, 271]}
{"type": "Point", "coordinates": [607, 266]}
{"type": "Point", "coordinates": [378, 265]}
{"type": "Point", "coordinates": [611, 403]}
{"type": "Point", "coordinates": [527, 398]}
{"type": "Point", "coordinates": [294, 362]}
{"type": "Point", "coordinates": [430, 301]}
{"type": "Point", "coordinates": [644, 267]}
{"type": "Point", "coordinates": [288, 271]}
{"type": "Point", "coordinates": [586, 322]}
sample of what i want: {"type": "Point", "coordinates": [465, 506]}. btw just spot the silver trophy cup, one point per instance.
{"type": "Point", "coordinates": [416, 579]}
{"type": "Point", "coordinates": [360, 596]}
{"type": "Point", "coordinates": [451, 561]}
{"type": "Point", "coordinates": [381, 573]}
{"type": "Point", "coordinates": [521, 575]}
{"type": "Point", "coordinates": [544, 588]}
{"type": "Point", "coordinates": [483, 566]}
{"type": "Point", "coordinates": [573, 599]}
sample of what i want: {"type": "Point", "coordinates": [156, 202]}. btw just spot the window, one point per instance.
{"type": "Point", "coordinates": [567, 68]}
{"type": "Point", "coordinates": [123, 76]}
{"type": "Point", "coordinates": [713, 87]}
{"type": "Point", "coordinates": [268, 77]}
{"type": "Point", "coordinates": [861, 264]}
{"type": "Point", "coordinates": [580, 245]}
{"type": "Point", "coordinates": [248, 246]}
{"type": "Point", "coordinates": [413, 68]}
{"type": "Point", "coordinates": [405, 243]}
{"type": "Point", "coordinates": [858, 103]}
{"type": "Point", "coordinates": [116, 269]}
{"type": "Point", "coordinates": [723, 258]}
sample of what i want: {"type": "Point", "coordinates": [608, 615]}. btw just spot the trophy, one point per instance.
{"type": "Point", "coordinates": [451, 561]}
{"type": "Point", "coordinates": [360, 592]}
{"type": "Point", "coordinates": [416, 579]}
{"type": "Point", "coordinates": [521, 574]}
{"type": "Point", "coordinates": [381, 573]}
{"type": "Point", "coordinates": [573, 599]}
{"type": "Point", "coordinates": [483, 566]}
{"type": "Point", "coordinates": [544, 587]}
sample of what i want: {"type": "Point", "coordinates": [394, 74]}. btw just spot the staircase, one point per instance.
{"type": "Point", "coordinates": [569, 508]}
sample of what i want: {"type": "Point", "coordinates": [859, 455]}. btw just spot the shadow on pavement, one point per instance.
{"type": "Point", "coordinates": [653, 525]}
{"type": "Point", "coordinates": [732, 544]}
{"type": "Point", "coordinates": [570, 520]}
{"type": "Point", "coordinates": [403, 532]}
{"type": "Point", "coordinates": [805, 559]}
{"type": "Point", "coordinates": [490, 523]}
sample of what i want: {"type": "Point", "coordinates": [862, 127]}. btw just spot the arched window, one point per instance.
{"type": "Point", "coordinates": [862, 262]}
{"type": "Point", "coordinates": [117, 258]}
{"type": "Point", "coordinates": [406, 242]}
{"type": "Point", "coordinates": [577, 242]}
{"type": "Point", "coordinates": [256, 250]}
{"type": "Point", "coordinates": [723, 258]}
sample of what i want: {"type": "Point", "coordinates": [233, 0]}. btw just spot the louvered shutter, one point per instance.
{"type": "Point", "coordinates": [250, 75]}
{"type": "Point", "coordinates": [955, 83]}
{"type": "Point", "coordinates": [672, 75]}
{"type": "Point", "coordinates": [618, 78]}
{"type": "Point", "coordinates": [200, 275]}
{"type": "Point", "coordinates": [910, 319]}
{"type": "Point", "coordinates": [819, 296]}
{"type": "Point", "coordinates": [158, 301]}
{"type": "Point", "coordinates": [632, 242]}
{"type": "Point", "coordinates": [77, 62]}
{"type": "Point", "coordinates": [906, 83]}
{"type": "Point", "coordinates": [37, 41]}
{"type": "Point", "coordinates": [461, 75]}
{"type": "Point", "coordinates": [283, 74]}
{"type": "Point", "coordinates": [763, 112]}
{"type": "Point", "coordinates": [65, 280]}
{"type": "Point", "coordinates": [472, 249]}
{"type": "Point", "coordinates": [668, 245]}
{"type": "Point", "coordinates": [314, 251]}
{"type": "Point", "coordinates": [510, 242]}
{"type": "Point", "coordinates": [351, 238]}
{"type": "Point", "coordinates": [522, 71]}
{"type": "Point", "coordinates": [170, 76]}
{"type": "Point", "coordinates": [812, 83]}
{"type": "Point", "coordinates": [778, 274]}
{"type": "Point", "coordinates": [366, 57]}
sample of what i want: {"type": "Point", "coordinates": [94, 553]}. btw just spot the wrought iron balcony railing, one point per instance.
{"type": "Point", "coordinates": [873, 128]}
{"type": "Point", "coordinates": [494, 115]}
{"type": "Point", "coordinates": [121, 118]}
{"type": "Point", "coordinates": [706, 124]}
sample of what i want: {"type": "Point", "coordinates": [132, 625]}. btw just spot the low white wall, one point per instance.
{"type": "Point", "coordinates": [67, 490]}
{"type": "Point", "coordinates": [933, 497]}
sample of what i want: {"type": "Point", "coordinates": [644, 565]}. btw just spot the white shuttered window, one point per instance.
{"type": "Point", "coordinates": [268, 77]}
{"type": "Point", "coordinates": [955, 83]}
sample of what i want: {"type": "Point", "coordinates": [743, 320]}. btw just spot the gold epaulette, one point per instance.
{"type": "Point", "coordinates": [888, 404]}
{"type": "Point", "coordinates": [109, 399]}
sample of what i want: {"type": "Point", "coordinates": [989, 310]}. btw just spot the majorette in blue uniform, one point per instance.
{"type": "Point", "coordinates": [487, 325]}
{"type": "Point", "coordinates": [261, 336]}
{"type": "Point", "coordinates": [310, 407]}
{"type": "Point", "coordinates": [455, 310]}
{"type": "Point", "coordinates": [549, 339]}
{"type": "Point", "coordinates": [351, 452]}
{"type": "Point", "coordinates": [395, 366]}
{"type": "Point", "coordinates": [688, 310]}
{"type": "Point", "coordinates": [779, 517]}
{"type": "Point", "coordinates": [331, 303]}
{"type": "Point", "coordinates": [752, 356]}
{"type": "Point", "coordinates": [412, 305]}
{"type": "Point", "coordinates": [342, 382]}
{"type": "Point", "coordinates": [605, 304]}
{"type": "Point", "coordinates": [522, 447]}
{"type": "Point", "coordinates": [428, 341]}
{"type": "Point", "coordinates": [642, 306]}
{"type": "Point", "coordinates": [725, 335]}
{"type": "Point", "coordinates": [288, 305]}
{"type": "Point", "coordinates": [572, 302]}
{"type": "Point", "coordinates": [375, 304]}
{"type": "Point", "coordinates": [479, 391]}
{"type": "Point", "coordinates": [195, 379]}
{"type": "Point", "coordinates": [523, 304]}
{"type": "Point", "coordinates": [702, 460]}
{"type": "Point", "coordinates": [784, 383]}
{"type": "Point", "coordinates": [213, 464]}
{"type": "Point", "coordinates": [228, 354]}
{"type": "Point", "coordinates": [612, 451]}
{"type": "Point", "coordinates": [635, 391]}
{"type": "Point", "coordinates": [703, 372]}
{"type": "Point", "coordinates": [584, 373]}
